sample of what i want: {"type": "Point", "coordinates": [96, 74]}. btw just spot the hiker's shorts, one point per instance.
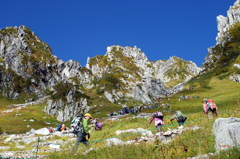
{"type": "Point", "coordinates": [182, 120]}
{"type": "Point", "coordinates": [214, 110]}
{"type": "Point", "coordinates": [81, 138]}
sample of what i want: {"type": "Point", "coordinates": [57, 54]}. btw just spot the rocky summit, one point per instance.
{"type": "Point", "coordinates": [225, 52]}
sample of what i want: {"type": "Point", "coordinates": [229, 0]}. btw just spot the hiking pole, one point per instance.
{"type": "Point", "coordinates": [37, 147]}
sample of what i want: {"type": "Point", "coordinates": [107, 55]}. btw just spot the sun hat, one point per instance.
{"type": "Point", "coordinates": [87, 114]}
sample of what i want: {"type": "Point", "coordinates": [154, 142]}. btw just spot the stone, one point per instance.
{"type": "Point", "coordinates": [235, 78]}
{"type": "Point", "coordinates": [43, 131]}
{"type": "Point", "coordinates": [20, 147]}
{"type": "Point", "coordinates": [55, 146]}
{"type": "Point", "coordinates": [227, 133]}
{"type": "Point", "coordinates": [4, 147]}
{"type": "Point", "coordinates": [114, 141]}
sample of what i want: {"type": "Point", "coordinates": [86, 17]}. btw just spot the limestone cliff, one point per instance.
{"type": "Point", "coordinates": [27, 66]}
{"type": "Point", "coordinates": [138, 77]}
{"type": "Point", "coordinates": [224, 56]}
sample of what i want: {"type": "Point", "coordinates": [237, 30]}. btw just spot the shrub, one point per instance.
{"type": "Point", "coordinates": [108, 82]}
{"type": "Point", "coordinates": [63, 88]}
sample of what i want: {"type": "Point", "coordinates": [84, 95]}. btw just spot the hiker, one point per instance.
{"type": "Point", "coordinates": [63, 128]}
{"type": "Point", "coordinates": [180, 117]}
{"type": "Point", "coordinates": [59, 127]}
{"type": "Point", "coordinates": [83, 134]}
{"type": "Point", "coordinates": [158, 116]}
{"type": "Point", "coordinates": [111, 113]}
{"type": "Point", "coordinates": [209, 105]}
{"type": "Point", "coordinates": [163, 105]}
{"type": "Point", "coordinates": [205, 107]}
{"type": "Point", "coordinates": [184, 97]}
{"type": "Point", "coordinates": [98, 125]}
{"type": "Point", "coordinates": [168, 105]}
{"type": "Point", "coordinates": [51, 130]}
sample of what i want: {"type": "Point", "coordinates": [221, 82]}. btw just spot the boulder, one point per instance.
{"type": "Point", "coordinates": [114, 141]}
{"type": "Point", "coordinates": [43, 131]}
{"type": "Point", "coordinates": [227, 133]}
{"type": "Point", "coordinates": [118, 132]}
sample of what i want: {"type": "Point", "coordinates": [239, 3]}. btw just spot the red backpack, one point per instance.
{"type": "Point", "coordinates": [211, 104]}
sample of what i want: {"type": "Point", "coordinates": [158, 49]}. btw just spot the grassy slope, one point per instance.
{"type": "Point", "coordinates": [225, 93]}
{"type": "Point", "coordinates": [18, 121]}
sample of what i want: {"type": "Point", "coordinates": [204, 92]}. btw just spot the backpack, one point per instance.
{"type": "Point", "coordinates": [76, 124]}
{"type": "Point", "coordinates": [211, 105]}
{"type": "Point", "coordinates": [158, 115]}
{"type": "Point", "coordinates": [99, 124]}
{"type": "Point", "coordinates": [179, 115]}
{"type": "Point", "coordinates": [59, 127]}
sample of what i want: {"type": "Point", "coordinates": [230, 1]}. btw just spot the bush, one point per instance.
{"type": "Point", "coordinates": [108, 82]}
{"type": "Point", "coordinates": [63, 88]}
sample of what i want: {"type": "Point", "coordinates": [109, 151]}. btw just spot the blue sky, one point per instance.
{"type": "Point", "coordinates": [77, 29]}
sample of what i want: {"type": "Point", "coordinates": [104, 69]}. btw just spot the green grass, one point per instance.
{"type": "Point", "coordinates": [225, 93]}
{"type": "Point", "coordinates": [17, 122]}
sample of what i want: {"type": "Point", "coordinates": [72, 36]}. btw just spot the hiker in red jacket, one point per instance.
{"type": "Point", "coordinates": [209, 106]}
{"type": "Point", "coordinates": [212, 107]}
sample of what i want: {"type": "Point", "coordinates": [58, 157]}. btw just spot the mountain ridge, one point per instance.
{"type": "Point", "coordinates": [28, 66]}
{"type": "Point", "coordinates": [40, 73]}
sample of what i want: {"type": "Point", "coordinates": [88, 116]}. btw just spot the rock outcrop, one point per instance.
{"type": "Point", "coordinates": [225, 53]}
{"type": "Point", "coordinates": [28, 66]}
{"type": "Point", "coordinates": [225, 23]}
{"type": "Point", "coordinates": [227, 133]}
{"type": "Point", "coordinates": [139, 77]}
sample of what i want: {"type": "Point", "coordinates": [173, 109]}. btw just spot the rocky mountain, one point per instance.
{"type": "Point", "coordinates": [135, 76]}
{"type": "Point", "coordinates": [29, 69]}
{"type": "Point", "coordinates": [224, 58]}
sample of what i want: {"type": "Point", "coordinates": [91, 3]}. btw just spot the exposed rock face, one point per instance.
{"type": "Point", "coordinates": [236, 77]}
{"type": "Point", "coordinates": [223, 54]}
{"type": "Point", "coordinates": [149, 88]}
{"type": "Point", "coordinates": [225, 23]}
{"type": "Point", "coordinates": [113, 96]}
{"type": "Point", "coordinates": [227, 133]}
{"type": "Point", "coordinates": [65, 111]}
{"type": "Point", "coordinates": [27, 65]}
{"type": "Point", "coordinates": [141, 78]}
